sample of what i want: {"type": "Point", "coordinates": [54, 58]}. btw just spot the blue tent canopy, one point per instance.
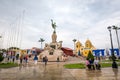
{"type": "Point", "coordinates": [102, 52]}
{"type": "Point", "coordinates": [99, 52]}
{"type": "Point", "coordinates": [116, 51]}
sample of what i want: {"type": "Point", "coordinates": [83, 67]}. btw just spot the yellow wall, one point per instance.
{"type": "Point", "coordinates": [84, 50]}
{"type": "Point", "coordinates": [78, 47]}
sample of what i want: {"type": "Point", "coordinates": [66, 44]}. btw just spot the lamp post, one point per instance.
{"type": "Point", "coordinates": [0, 42]}
{"type": "Point", "coordinates": [117, 28]}
{"type": "Point", "coordinates": [114, 64]}
{"type": "Point", "coordinates": [109, 28]}
{"type": "Point", "coordinates": [74, 40]}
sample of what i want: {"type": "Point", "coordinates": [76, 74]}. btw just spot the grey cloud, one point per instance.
{"type": "Point", "coordinates": [74, 18]}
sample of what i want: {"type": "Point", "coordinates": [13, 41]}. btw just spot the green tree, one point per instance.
{"type": "Point", "coordinates": [2, 50]}
{"type": "Point", "coordinates": [13, 48]}
{"type": "Point", "coordinates": [1, 57]}
{"type": "Point", "coordinates": [90, 56]}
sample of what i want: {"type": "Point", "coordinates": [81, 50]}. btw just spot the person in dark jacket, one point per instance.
{"type": "Point", "coordinates": [46, 60]}
{"type": "Point", "coordinates": [92, 67]}
{"type": "Point", "coordinates": [35, 59]}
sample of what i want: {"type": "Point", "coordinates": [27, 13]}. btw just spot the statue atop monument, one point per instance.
{"type": "Point", "coordinates": [53, 25]}
{"type": "Point", "coordinates": [54, 36]}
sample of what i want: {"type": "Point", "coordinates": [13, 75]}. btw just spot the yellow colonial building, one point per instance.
{"type": "Point", "coordinates": [84, 50]}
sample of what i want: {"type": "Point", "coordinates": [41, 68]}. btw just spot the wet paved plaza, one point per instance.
{"type": "Point", "coordinates": [56, 71]}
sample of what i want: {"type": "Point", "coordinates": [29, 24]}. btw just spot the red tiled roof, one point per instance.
{"type": "Point", "coordinates": [67, 51]}
{"type": "Point", "coordinates": [66, 48]}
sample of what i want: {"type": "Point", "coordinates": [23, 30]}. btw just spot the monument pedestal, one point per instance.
{"type": "Point", "coordinates": [54, 45]}
{"type": "Point", "coordinates": [51, 57]}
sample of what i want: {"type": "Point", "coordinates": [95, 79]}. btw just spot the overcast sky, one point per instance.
{"type": "Point", "coordinates": [79, 19]}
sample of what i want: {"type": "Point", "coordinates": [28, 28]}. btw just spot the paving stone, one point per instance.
{"type": "Point", "coordinates": [56, 71]}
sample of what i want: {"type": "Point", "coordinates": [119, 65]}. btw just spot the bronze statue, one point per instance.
{"type": "Point", "coordinates": [54, 36]}
{"type": "Point", "coordinates": [53, 25]}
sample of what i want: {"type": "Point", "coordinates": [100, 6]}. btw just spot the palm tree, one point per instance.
{"type": "Point", "coordinates": [114, 64]}
{"type": "Point", "coordinates": [41, 40]}
{"type": "Point", "coordinates": [74, 40]}
{"type": "Point", "coordinates": [117, 28]}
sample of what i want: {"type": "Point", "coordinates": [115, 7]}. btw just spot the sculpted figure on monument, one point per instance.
{"type": "Point", "coordinates": [53, 25]}
{"type": "Point", "coordinates": [54, 36]}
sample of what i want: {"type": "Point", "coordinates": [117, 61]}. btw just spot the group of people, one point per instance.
{"type": "Point", "coordinates": [92, 64]}
{"type": "Point", "coordinates": [22, 59]}
{"type": "Point", "coordinates": [10, 56]}
{"type": "Point", "coordinates": [35, 59]}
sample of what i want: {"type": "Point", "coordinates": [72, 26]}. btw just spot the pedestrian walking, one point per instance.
{"type": "Point", "coordinates": [35, 59]}
{"type": "Point", "coordinates": [13, 58]}
{"type": "Point", "coordinates": [58, 59]}
{"type": "Point", "coordinates": [43, 60]}
{"type": "Point", "coordinates": [21, 59]}
{"type": "Point", "coordinates": [46, 60]}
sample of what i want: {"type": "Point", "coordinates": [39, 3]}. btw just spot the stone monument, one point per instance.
{"type": "Point", "coordinates": [53, 50]}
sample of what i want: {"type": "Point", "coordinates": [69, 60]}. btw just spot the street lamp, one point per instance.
{"type": "Point", "coordinates": [109, 28]}
{"type": "Point", "coordinates": [74, 40]}
{"type": "Point", "coordinates": [117, 28]}
{"type": "Point", "coordinates": [0, 42]}
{"type": "Point", "coordinates": [114, 64]}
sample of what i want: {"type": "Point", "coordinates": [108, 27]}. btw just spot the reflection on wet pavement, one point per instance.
{"type": "Point", "coordinates": [56, 71]}
{"type": "Point", "coordinates": [104, 74]}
